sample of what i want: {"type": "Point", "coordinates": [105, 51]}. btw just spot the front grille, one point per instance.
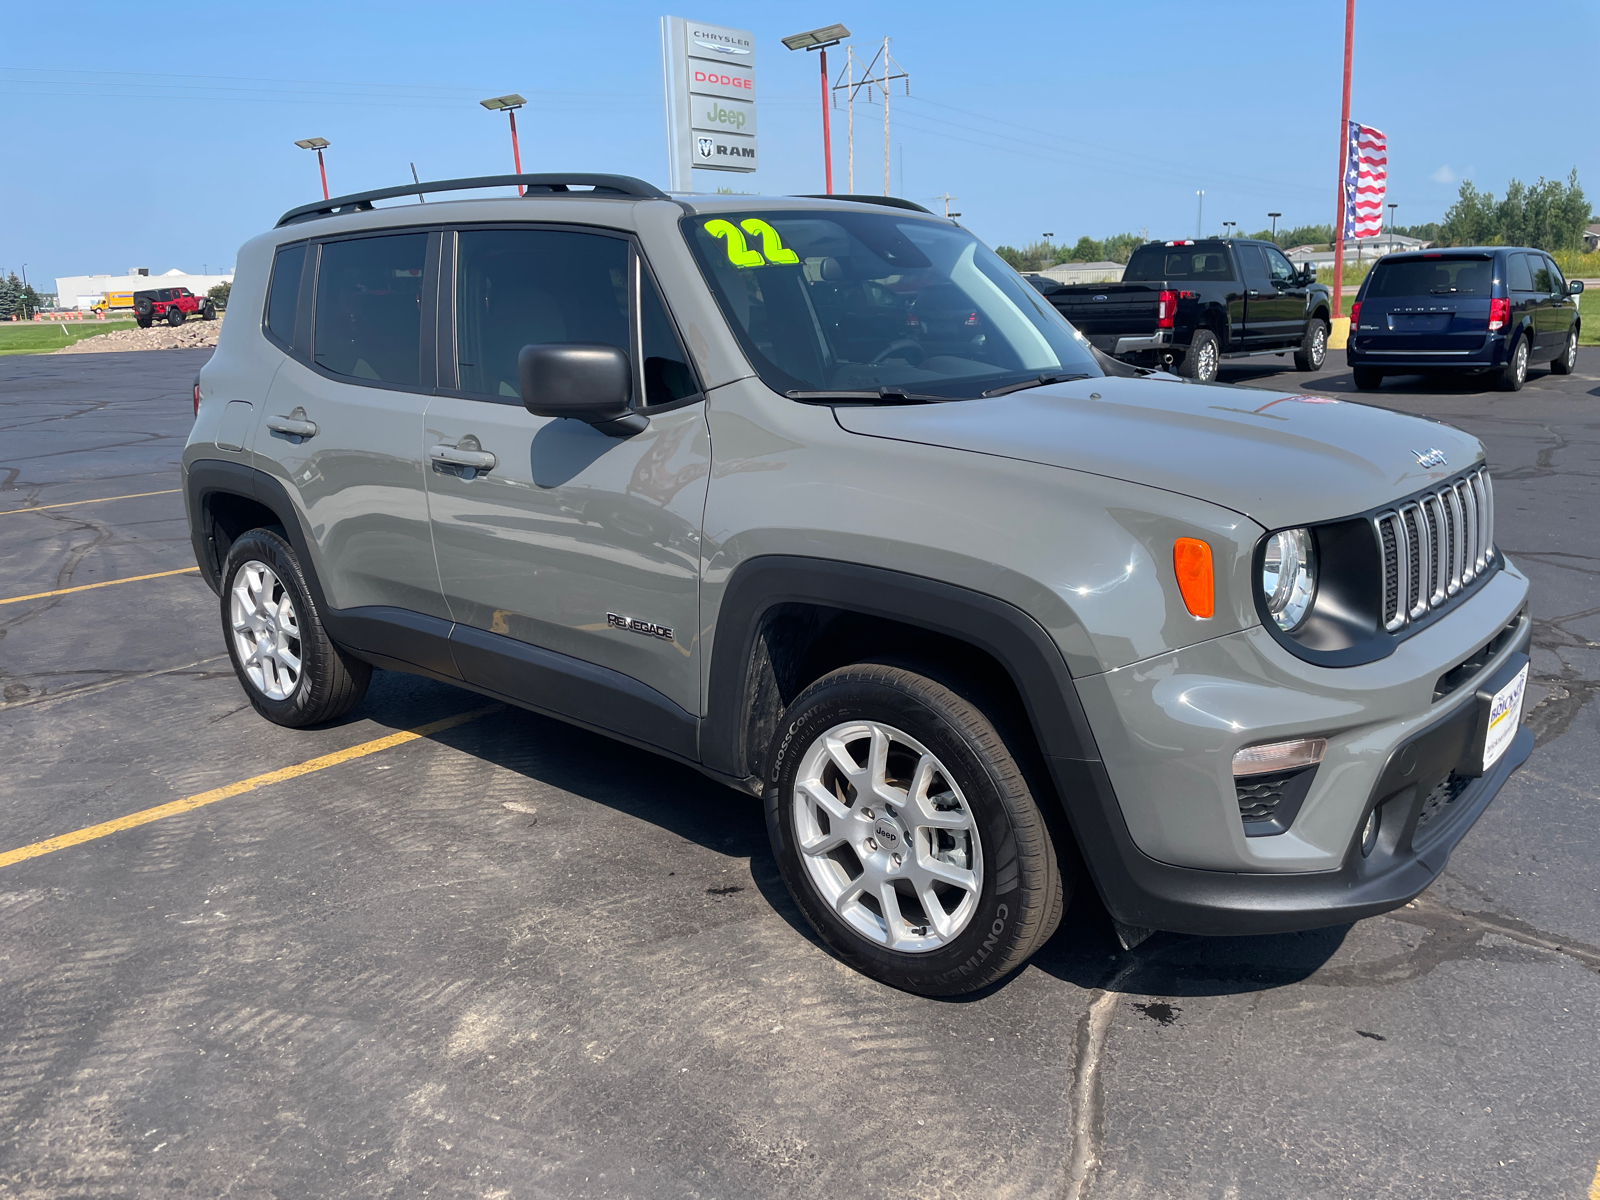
{"type": "Point", "coordinates": [1445, 793]}
{"type": "Point", "coordinates": [1433, 546]}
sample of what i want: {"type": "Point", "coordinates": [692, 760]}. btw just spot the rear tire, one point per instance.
{"type": "Point", "coordinates": [1314, 348]}
{"type": "Point", "coordinates": [145, 322]}
{"type": "Point", "coordinates": [174, 316]}
{"type": "Point", "coordinates": [1515, 373]}
{"type": "Point", "coordinates": [208, 312]}
{"type": "Point", "coordinates": [1567, 361]}
{"type": "Point", "coordinates": [291, 671]}
{"type": "Point", "coordinates": [1367, 378]}
{"type": "Point", "coordinates": [906, 831]}
{"type": "Point", "coordinates": [1203, 359]}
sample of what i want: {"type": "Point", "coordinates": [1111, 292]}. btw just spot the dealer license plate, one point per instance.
{"type": "Point", "coordinates": [1505, 718]}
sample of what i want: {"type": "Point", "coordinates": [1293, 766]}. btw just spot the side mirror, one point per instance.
{"type": "Point", "coordinates": [584, 381]}
{"type": "Point", "coordinates": [1575, 286]}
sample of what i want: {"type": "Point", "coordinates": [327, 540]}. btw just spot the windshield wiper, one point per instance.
{"type": "Point", "coordinates": [1041, 381]}
{"type": "Point", "coordinates": [883, 395]}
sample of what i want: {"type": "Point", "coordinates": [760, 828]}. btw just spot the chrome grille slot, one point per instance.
{"type": "Point", "coordinates": [1434, 546]}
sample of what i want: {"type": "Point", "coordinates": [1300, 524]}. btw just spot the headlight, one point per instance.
{"type": "Point", "coordinates": [1289, 577]}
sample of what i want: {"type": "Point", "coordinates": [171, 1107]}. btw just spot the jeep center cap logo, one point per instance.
{"type": "Point", "coordinates": [887, 833]}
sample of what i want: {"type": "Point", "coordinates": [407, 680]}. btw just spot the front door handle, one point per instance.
{"type": "Point", "coordinates": [1253, 292]}
{"type": "Point", "coordinates": [294, 425]}
{"type": "Point", "coordinates": [478, 460]}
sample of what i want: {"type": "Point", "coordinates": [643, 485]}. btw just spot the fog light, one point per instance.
{"type": "Point", "coordinates": [1279, 756]}
{"type": "Point", "coordinates": [1369, 833]}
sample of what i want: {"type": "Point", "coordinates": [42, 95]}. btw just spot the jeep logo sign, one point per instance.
{"type": "Point", "coordinates": [711, 98]}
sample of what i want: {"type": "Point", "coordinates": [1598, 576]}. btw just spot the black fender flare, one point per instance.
{"type": "Point", "coordinates": [207, 477]}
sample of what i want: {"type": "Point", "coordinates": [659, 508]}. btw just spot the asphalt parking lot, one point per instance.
{"type": "Point", "coordinates": [506, 958]}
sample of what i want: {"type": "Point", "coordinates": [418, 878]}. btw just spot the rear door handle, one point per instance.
{"type": "Point", "coordinates": [1252, 292]}
{"type": "Point", "coordinates": [478, 460]}
{"type": "Point", "coordinates": [294, 425]}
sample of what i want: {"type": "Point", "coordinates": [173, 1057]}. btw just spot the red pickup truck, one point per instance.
{"type": "Point", "coordinates": [172, 305]}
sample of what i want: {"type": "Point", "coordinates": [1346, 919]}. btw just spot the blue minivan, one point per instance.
{"type": "Point", "coordinates": [1479, 308]}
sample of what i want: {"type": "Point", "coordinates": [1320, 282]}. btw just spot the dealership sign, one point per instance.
{"type": "Point", "coordinates": [711, 98]}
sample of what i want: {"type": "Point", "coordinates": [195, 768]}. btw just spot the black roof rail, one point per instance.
{"type": "Point", "coordinates": [889, 201]}
{"type": "Point", "coordinates": [625, 186]}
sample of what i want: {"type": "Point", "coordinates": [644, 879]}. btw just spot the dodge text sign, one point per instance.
{"type": "Point", "coordinates": [711, 98]}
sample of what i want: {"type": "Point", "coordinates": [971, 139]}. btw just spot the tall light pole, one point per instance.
{"type": "Point", "coordinates": [1228, 227]}
{"type": "Point", "coordinates": [1274, 217]}
{"type": "Point", "coordinates": [821, 39]}
{"type": "Point", "coordinates": [1392, 207]}
{"type": "Point", "coordinates": [1200, 215]}
{"type": "Point", "coordinates": [509, 105]}
{"type": "Point", "coordinates": [319, 145]}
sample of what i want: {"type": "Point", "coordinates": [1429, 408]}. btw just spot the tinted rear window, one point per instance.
{"type": "Point", "coordinates": [284, 299]}
{"type": "Point", "coordinates": [1432, 277]}
{"type": "Point", "coordinates": [1152, 263]}
{"type": "Point", "coordinates": [369, 308]}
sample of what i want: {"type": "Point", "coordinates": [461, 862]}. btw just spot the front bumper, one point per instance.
{"type": "Point", "coordinates": [1428, 797]}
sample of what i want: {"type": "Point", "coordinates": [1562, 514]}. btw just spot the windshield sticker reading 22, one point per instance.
{"type": "Point", "coordinates": [739, 252]}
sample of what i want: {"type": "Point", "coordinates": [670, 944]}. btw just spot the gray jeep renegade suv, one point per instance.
{"type": "Point", "coordinates": [823, 500]}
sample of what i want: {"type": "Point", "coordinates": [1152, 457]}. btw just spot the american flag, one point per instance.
{"type": "Point", "coordinates": [1366, 172]}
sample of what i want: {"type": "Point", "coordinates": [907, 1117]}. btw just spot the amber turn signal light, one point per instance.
{"type": "Point", "coordinates": [1191, 560]}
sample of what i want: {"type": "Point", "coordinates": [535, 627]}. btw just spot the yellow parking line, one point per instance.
{"type": "Point", "coordinates": [97, 500]}
{"type": "Point", "coordinates": [89, 587]}
{"type": "Point", "coordinates": [199, 800]}
{"type": "Point", "coordinates": [1594, 1188]}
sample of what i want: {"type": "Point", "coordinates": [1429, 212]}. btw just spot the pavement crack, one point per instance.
{"type": "Point", "coordinates": [1086, 1098]}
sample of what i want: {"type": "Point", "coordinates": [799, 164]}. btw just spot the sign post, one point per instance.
{"type": "Point", "coordinates": [709, 72]}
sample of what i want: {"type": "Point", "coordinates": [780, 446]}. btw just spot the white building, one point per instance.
{"type": "Point", "coordinates": [1083, 272]}
{"type": "Point", "coordinates": [1363, 250]}
{"type": "Point", "coordinates": [85, 291]}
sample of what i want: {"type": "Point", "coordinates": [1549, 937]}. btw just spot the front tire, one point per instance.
{"type": "Point", "coordinates": [1515, 373]}
{"type": "Point", "coordinates": [1567, 361]}
{"type": "Point", "coordinates": [1313, 348]}
{"type": "Point", "coordinates": [907, 833]}
{"type": "Point", "coordinates": [1203, 358]}
{"type": "Point", "coordinates": [289, 668]}
{"type": "Point", "coordinates": [1367, 379]}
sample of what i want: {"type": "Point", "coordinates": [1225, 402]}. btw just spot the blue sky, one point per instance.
{"type": "Point", "coordinates": [158, 136]}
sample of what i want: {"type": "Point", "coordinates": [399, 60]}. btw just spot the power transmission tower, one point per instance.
{"type": "Point", "coordinates": [886, 70]}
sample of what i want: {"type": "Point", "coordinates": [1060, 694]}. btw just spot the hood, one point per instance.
{"type": "Point", "coordinates": [1280, 459]}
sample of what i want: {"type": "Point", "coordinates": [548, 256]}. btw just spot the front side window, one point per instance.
{"type": "Point", "coordinates": [1277, 265]}
{"type": "Point", "coordinates": [667, 376]}
{"type": "Point", "coordinates": [369, 308]}
{"type": "Point", "coordinates": [1544, 274]}
{"type": "Point", "coordinates": [846, 301]}
{"type": "Point", "coordinates": [283, 298]}
{"type": "Point", "coordinates": [520, 287]}
{"type": "Point", "coordinates": [1558, 282]}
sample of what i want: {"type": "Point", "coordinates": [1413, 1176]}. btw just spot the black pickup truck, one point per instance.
{"type": "Point", "coordinates": [1188, 306]}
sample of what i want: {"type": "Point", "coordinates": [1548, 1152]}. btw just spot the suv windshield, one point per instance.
{"type": "Point", "coordinates": [847, 301]}
{"type": "Point", "coordinates": [1432, 277]}
{"type": "Point", "coordinates": [1158, 263]}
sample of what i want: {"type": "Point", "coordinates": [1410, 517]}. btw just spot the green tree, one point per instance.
{"type": "Point", "coordinates": [10, 295]}
{"type": "Point", "coordinates": [1086, 250]}
{"type": "Point", "coordinates": [219, 294]}
{"type": "Point", "coordinates": [1548, 214]}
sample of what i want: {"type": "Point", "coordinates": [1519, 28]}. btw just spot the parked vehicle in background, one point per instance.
{"type": "Point", "coordinates": [112, 301]}
{"type": "Point", "coordinates": [1486, 308]}
{"type": "Point", "coordinates": [172, 305]}
{"type": "Point", "coordinates": [1191, 305]}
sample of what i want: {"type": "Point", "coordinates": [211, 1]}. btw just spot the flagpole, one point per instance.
{"type": "Point", "coordinates": [1344, 161]}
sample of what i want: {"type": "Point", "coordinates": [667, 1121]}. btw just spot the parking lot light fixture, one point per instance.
{"type": "Point", "coordinates": [319, 145]}
{"type": "Point", "coordinates": [509, 105]}
{"type": "Point", "coordinates": [821, 39]}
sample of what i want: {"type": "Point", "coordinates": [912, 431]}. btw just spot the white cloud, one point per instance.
{"type": "Point", "coordinates": [1443, 175]}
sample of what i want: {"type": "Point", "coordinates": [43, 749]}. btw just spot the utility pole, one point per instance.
{"type": "Point", "coordinates": [1200, 216]}
{"type": "Point", "coordinates": [947, 197]}
{"type": "Point", "coordinates": [887, 70]}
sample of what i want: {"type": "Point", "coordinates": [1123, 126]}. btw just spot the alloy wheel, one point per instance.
{"type": "Point", "coordinates": [1319, 346]}
{"type": "Point", "coordinates": [886, 837]}
{"type": "Point", "coordinates": [1520, 363]}
{"type": "Point", "coordinates": [266, 631]}
{"type": "Point", "coordinates": [1206, 368]}
{"type": "Point", "coordinates": [1572, 351]}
